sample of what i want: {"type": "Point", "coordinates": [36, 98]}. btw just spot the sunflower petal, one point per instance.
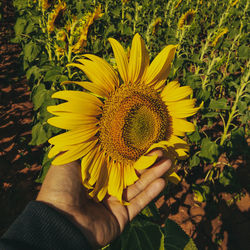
{"type": "Point", "coordinates": [79, 107]}
{"type": "Point", "coordinates": [72, 121]}
{"type": "Point", "coordinates": [182, 109]}
{"type": "Point", "coordinates": [121, 59]}
{"type": "Point", "coordinates": [86, 164]}
{"type": "Point", "coordinates": [175, 94]}
{"type": "Point", "coordinates": [160, 67]}
{"type": "Point", "coordinates": [182, 125]}
{"type": "Point", "coordinates": [116, 180]}
{"type": "Point", "coordinates": [145, 161]}
{"type": "Point", "coordinates": [90, 69]}
{"type": "Point", "coordinates": [76, 136]}
{"type": "Point", "coordinates": [138, 61]}
{"type": "Point", "coordinates": [90, 86]}
{"type": "Point", "coordinates": [130, 176]}
{"type": "Point", "coordinates": [73, 95]}
{"type": "Point", "coordinates": [107, 69]}
{"type": "Point", "coordinates": [77, 151]}
{"type": "Point", "coordinates": [174, 178]}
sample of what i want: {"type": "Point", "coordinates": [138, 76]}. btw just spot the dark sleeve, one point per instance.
{"type": "Point", "coordinates": [42, 227]}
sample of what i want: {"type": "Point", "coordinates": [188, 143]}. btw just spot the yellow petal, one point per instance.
{"type": "Point", "coordinates": [76, 152]}
{"type": "Point", "coordinates": [54, 151]}
{"type": "Point", "coordinates": [160, 67]}
{"type": "Point", "coordinates": [175, 94]}
{"type": "Point", "coordinates": [95, 74]}
{"type": "Point", "coordinates": [71, 121]}
{"type": "Point", "coordinates": [130, 176]}
{"type": "Point", "coordinates": [90, 86]}
{"type": "Point", "coordinates": [182, 109]}
{"type": "Point", "coordinates": [145, 161]}
{"type": "Point", "coordinates": [116, 180]}
{"type": "Point", "coordinates": [182, 153]}
{"type": "Point", "coordinates": [79, 107]}
{"type": "Point", "coordinates": [86, 164]}
{"type": "Point", "coordinates": [76, 136]}
{"type": "Point", "coordinates": [101, 186]}
{"type": "Point", "coordinates": [73, 95]}
{"type": "Point", "coordinates": [159, 86]}
{"type": "Point", "coordinates": [138, 61]}
{"type": "Point", "coordinates": [121, 59]}
{"type": "Point", "coordinates": [174, 178]}
{"type": "Point", "coordinates": [107, 70]}
{"type": "Point", "coordinates": [96, 168]}
{"type": "Point", "coordinates": [181, 126]}
{"type": "Point", "coordinates": [174, 140]}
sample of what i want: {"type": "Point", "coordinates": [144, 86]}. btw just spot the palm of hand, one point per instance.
{"type": "Point", "coordinates": [99, 222]}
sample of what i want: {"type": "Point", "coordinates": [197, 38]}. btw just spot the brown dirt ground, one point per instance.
{"type": "Point", "coordinates": [212, 225]}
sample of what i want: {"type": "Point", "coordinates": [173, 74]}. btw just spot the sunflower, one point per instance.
{"type": "Point", "coordinates": [220, 34]}
{"type": "Point", "coordinates": [55, 16]}
{"type": "Point", "coordinates": [186, 19]}
{"type": "Point", "coordinates": [90, 18]}
{"type": "Point", "coordinates": [156, 25]}
{"type": "Point", "coordinates": [121, 118]}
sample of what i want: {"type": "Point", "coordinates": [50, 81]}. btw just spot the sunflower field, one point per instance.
{"type": "Point", "coordinates": [211, 58]}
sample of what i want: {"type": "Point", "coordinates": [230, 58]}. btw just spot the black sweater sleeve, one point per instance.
{"type": "Point", "coordinates": [42, 227]}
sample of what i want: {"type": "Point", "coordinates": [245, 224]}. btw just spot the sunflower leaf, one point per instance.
{"type": "Point", "coordinates": [140, 234]}
{"type": "Point", "coordinates": [176, 238]}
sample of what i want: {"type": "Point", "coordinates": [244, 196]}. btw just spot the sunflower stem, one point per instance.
{"type": "Point", "coordinates": [233, 113]}
{"type": "Point", "coordinates": [122, 21]}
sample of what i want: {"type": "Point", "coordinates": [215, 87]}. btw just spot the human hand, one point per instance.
{"type": "Point", "coordinates": [100, 222]}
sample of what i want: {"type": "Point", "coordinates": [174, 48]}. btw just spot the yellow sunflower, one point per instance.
{"type": "Point", "coordinates": [122, 117]}
{"type": "Point", "coordinates": [186, 19]}
{"type": "Point", "coordinates": [220, 34]}
{"type": "Point", "coordinates": [55, 16]}
{"type": "Point", "coordinates": [90, 18]}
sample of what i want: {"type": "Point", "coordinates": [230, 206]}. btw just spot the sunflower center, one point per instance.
{"type": "Point", "coordinates": [133, 119]}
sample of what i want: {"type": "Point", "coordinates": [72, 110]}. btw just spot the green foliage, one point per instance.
{"type": "Point", "coordinates": [176, 238]}
{"type": "Point", "coordinates": [212, 58]}
{"type": "Point", "coordinates": [210, 151]}
{"type": "Point", "coordinates": [143, 234]}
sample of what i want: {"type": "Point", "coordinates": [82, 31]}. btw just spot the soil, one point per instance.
{"type": "Point", "coordinates": [213, 224]}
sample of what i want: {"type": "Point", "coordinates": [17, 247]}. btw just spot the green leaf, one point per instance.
{"type": "Point", "coordinates": [39, 95]}
{"type": "Point", "coordinates": [244, 52]}
{"type": "Point", "coordinates": [239, 145]}
{"type": "Point", "coordinates": [30, 27]}
{"type": "Point", "coordinates": [139, 235]}
{"type": "Point", "coordinates": [55, 74]}
{"type": "Point", "coordinates": [33, 71]}
{"type": "Point", "coordinates": [219, 104]}
{"type": "Point", "coordinates": [227, 176]}
{"type": "Point", "coordinates": [39, 135]}
{"type": "Point", "coordinates": [201, 192]}
{"type": "Point", "coordinates": [194, 161]}
{"type": "Point", "coordinates": [210, 151]}
{"type": "Point", "coordinates": [210, 114]}
{"type": "Point", "coordinates": [176, 238]}
{"type": "Point", "coordinates": [31, 51]}
{"type": "Point", "coordinates": [195, 136]}
{"type": "Point", "coordinates": [20, 25]}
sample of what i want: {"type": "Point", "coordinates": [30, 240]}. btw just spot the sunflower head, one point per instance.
{"type": "Point", "coordinates": [156, 24]}
{"type": "Point", "coordinates": [56, 16]}
{"type": "Point", "coordinates": [220, 34]}
{"type": "Point", "coordinates": [186, 19]}
{"type": "Point", "coordinates": [46, 4]}
{"type": "Point", "coordinates": [122, 117]}
{"type": "Point", "coordinates": [84, 28]}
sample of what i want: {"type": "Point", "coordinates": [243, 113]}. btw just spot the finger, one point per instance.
{"type": "Point", "coordinates": [145, 197]}
{"type": "Point", "coordinates": [158, 170]}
